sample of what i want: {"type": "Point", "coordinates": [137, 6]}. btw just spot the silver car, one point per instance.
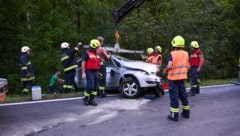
{"type": "Point", "coordinates": [130, 77]}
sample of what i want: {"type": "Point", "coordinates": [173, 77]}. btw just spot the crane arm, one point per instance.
{"type": "Point", "coordinates": [119, 14]}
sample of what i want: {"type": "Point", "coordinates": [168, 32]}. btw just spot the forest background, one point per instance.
{"type": "Point", "coordinates": [44, 24]}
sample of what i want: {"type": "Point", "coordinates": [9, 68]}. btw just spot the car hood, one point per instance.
{"type": "Point", "coordinates": [141, 65]}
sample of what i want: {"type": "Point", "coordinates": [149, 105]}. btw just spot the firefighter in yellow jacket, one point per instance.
{"type": "Point", "coordinates": [177, 68]}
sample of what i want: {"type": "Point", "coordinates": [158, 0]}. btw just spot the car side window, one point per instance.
{"type": "Point", "coordinates": [117, 63]}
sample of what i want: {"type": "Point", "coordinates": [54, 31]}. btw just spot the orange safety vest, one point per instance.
{"type": "Point", "coordinates": [155, 59]}
{"type": "Point", "coordinates": [180, 65]}
{"type": "Point", "coordinates": [93, 62]}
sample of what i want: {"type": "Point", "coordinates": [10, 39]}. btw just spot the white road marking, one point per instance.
{"type": "Point", "coordinates": [76, 98]}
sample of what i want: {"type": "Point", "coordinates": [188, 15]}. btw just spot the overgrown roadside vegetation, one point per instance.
{"type": "Point", "coordinates": [20, 98]}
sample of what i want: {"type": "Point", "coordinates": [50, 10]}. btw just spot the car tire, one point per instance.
{"type": "Point", "coordinates": [130, 88]}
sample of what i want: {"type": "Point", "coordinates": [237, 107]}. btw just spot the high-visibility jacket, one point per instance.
{"type": "Point", "coordinates": [180, 65]}
{"type": "Point", "coordinates": [155, 58]}
{"type": "Point", "coordinates": [27, 72]}
{"type": "Point", "coordinates": [194, 57]}
{"type": "Point", "coordinates": [68, 59]}
{"type": "Point", "coordinates": [149, 59]}
{"type": "Point", "coordinates": [93, 62]}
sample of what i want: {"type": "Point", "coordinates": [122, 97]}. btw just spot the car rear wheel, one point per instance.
{"type": "Point", "coordinates": [130, 88]}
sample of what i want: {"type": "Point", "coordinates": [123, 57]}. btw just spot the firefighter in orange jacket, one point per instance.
{"type": "Point", "coordinates": [157, 57]}
{"type": "Point", "coordinates": [148, 57]}
{"type": "Point", "coordinates": [177, 68]}
{"type": "Point", "coordinates": [196, 62]}
{"type": "Point", "coordinates": [90, 66]}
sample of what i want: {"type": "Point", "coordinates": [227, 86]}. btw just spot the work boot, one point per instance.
{"type": "Point", "coordinates": [173, 116]}
{"type": "Point", "coordinates": [102, 94]}
{"type": "Point", "coordinates": [92, 102]}
{"type": "Point", "coordinates": [192, 91]}
{"type": "Point", "coordinates": [86, 100]}
{"type": "Point", "coordinates": [186, 113]}
{"type": "Point", "coordinates": [198, 90]}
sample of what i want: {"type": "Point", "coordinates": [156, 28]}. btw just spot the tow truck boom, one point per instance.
{"type": "Point", "coordinates": [119, 14]}
{"type": "Point", "coordinates": [124, 10]}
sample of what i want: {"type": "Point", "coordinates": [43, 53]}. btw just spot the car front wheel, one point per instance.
{"type": "Point", "coordinates": [130, 88]}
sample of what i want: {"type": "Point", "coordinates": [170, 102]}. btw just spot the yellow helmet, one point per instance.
{"type": "Point", "coordinates": [149, 50]}
{"type": "Point", "coordinates": [194, 44]}
{"type": "Point", "coordinates": [159, 48]}
{"type": "Point", "coordinates": [94, 43]}
{"type": "Point", "coordinates": [178, 41]}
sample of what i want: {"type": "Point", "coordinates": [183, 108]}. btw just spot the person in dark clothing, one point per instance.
{"type": "Point", "coordinates": [69, 64]}
{"type": "Point", "coordinates": [53, 82]}
{"type": "Point", "coordinates": [27, 72]}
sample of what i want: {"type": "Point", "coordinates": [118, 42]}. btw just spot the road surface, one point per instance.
{"type": "Point", "coordinates": [214, 112]}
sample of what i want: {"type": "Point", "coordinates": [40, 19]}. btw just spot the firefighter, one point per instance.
{"type": "Point", "coordinates": [27, 72]}
{"type": "Point", "coordinates": [157, 59]}
{"type": "Point", "coordinates": [90, 66]}
{"type": "Point", "coordinates": [69, 65]}
{"type": "Point", "coordinates": [148, 57]}
{"type": "Point", "coordinates": [196, 62]}
{"type": "Point", "coordinates": [101, 51]}
{"type": "Point", "coordinates": [177, 68]}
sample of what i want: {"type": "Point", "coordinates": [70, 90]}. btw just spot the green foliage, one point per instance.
{"type": "Point", "coordinates": [44, 24]}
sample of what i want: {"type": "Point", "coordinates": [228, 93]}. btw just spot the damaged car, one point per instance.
{"type": "Point", "coordinates": [130, 77]}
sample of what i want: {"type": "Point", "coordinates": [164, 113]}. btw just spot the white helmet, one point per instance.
{"type": "Point", "coordinates": [64, 45]}
{"type": "Point", "coordinates": [25, 49]}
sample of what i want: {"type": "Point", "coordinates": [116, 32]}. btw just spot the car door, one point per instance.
{"type": "Point", "coordinates": [113, 74]}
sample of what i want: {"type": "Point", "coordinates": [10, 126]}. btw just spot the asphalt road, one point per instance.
{"type": "Point", "coordinates": [214, 112]}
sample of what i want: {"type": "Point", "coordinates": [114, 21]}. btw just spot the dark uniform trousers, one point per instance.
{"type": "Point", "coordinates": [102, 81]}
{"type": "Point", "coordinates": [92, 83]}
{"type": "Point", "coordinates": [177, 91]}
{"type": "Point", "coordinates": [69, 81]}
{"type": "Point", "coordinates": [194, 80]}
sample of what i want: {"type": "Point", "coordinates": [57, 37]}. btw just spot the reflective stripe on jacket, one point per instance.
{"type": "Point", "coordinates": [155, 59]}
{"type": "Point", "coordinates": [180, 65]}
{"type": "Point", "coordinates": [27, 72]}
{"type": "Point", "coordinates": [68, 59]}
{"type": "Point", "coordinates": [93, 62]}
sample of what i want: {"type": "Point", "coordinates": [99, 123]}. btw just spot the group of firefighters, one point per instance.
{"type": "Point", "coordinates": [176, 70]}
{"type": "Point", "coordinates": [94, 71]}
